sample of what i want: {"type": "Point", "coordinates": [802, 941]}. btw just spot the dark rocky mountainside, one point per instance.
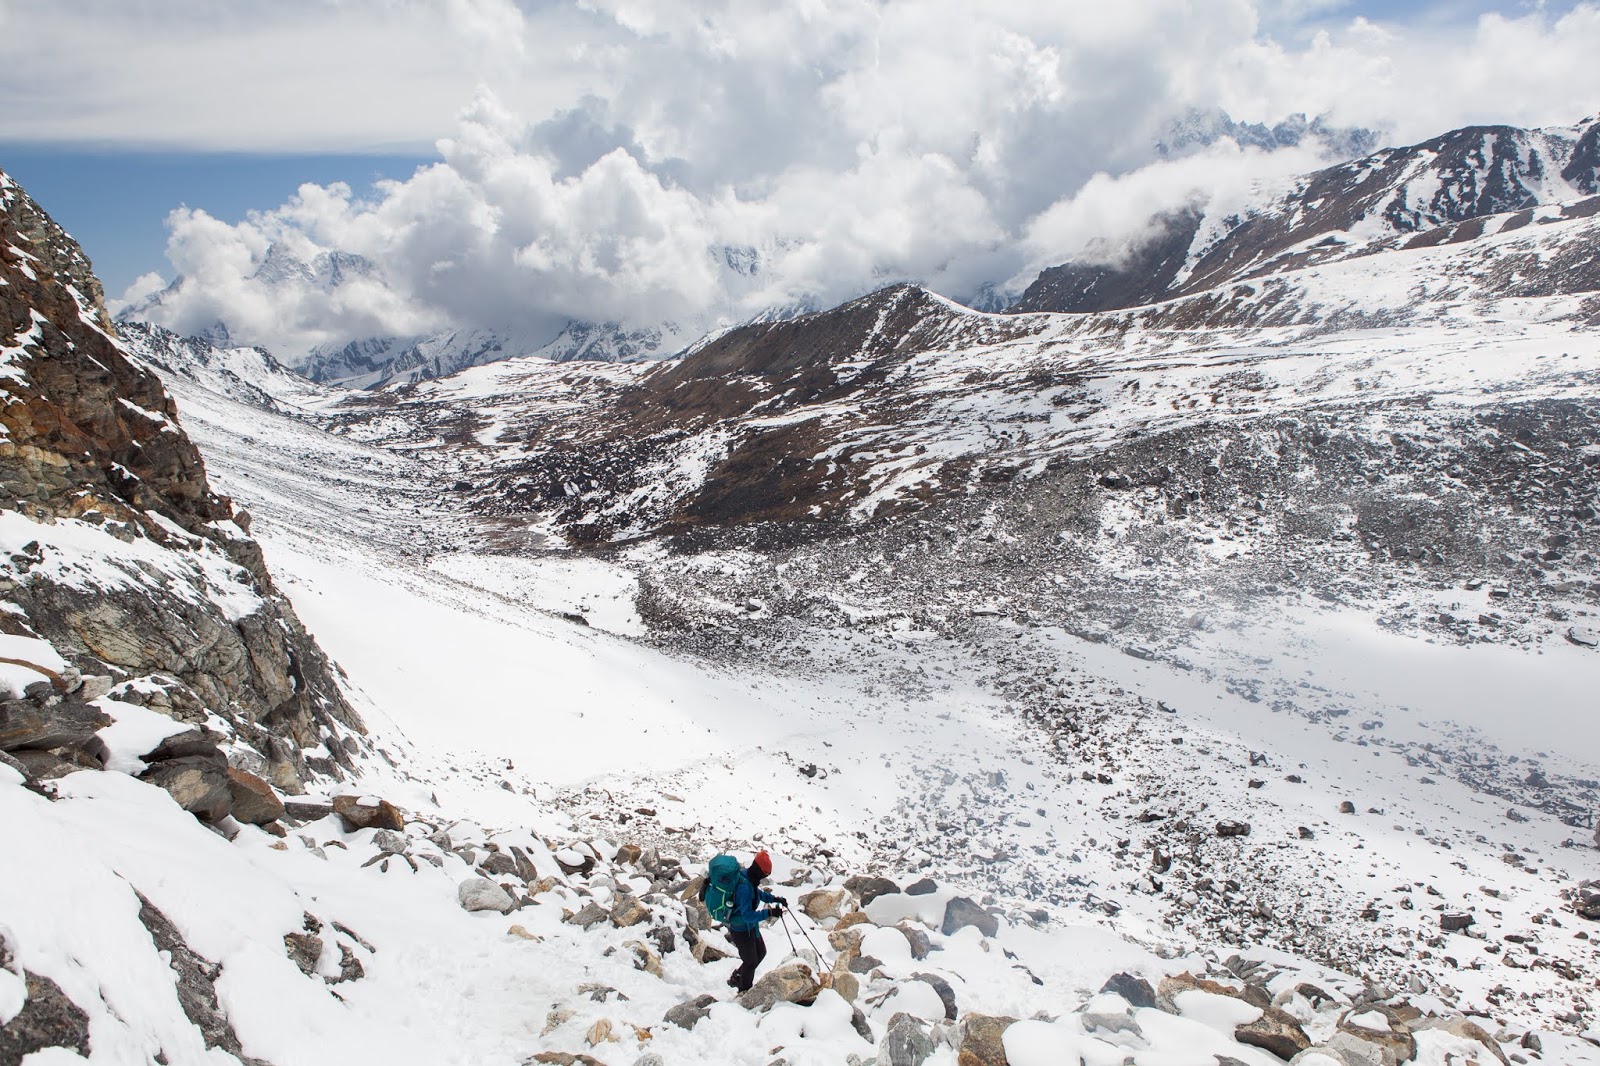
{"type": "Point", "coordinates": [1467, 175]}
{"type": "Point", "coordinates": [120, 559]}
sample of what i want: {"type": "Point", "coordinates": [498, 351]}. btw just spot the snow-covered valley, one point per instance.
{"type": "Point", "coordinates": [1241, 645]}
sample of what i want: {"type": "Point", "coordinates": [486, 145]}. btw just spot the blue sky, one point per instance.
{"type": "Point", "coordinates": [594, 154]}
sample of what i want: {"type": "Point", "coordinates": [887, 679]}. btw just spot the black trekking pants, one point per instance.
{"type": "Point", "coordinates": [752, 949]}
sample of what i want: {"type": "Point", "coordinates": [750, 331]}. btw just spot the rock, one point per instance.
{"type": "Point", "coordinates": [199, 784]}
{"type": "Point", "coordinates": [643, 958]}
{"type": "Point", "coordinates": [863, 1028]}
{"type": "Point", "coordinates": [388, 842]}
{"type": "Point", "coordinates": [366, 812]}
{"type": "Point", "coordinates": [574, 862]}
{"type": "Point", "coordinates": [842, 981]}
{"type": "Point", "coordinates": [1171, 986]}
{"type": "Point", "coordinates": [27, 725]}
{"type": "Point", "coordinates": [961, 912]}
{"type": "Point", "coordinates": [868, 889]}
{"type": "Point", "coordinates": [253, 801]}
{"type": "Point", "coordinates": [628, 853]}
{"type": "Point", "coordinates": [51, 765]}
{"type": "Point", "coordinates": [190, 744]}
{"type": "Point", "coordinates": [480, 894]}
{"type": "Point", "coordinates": [48, 1019]}
{"type": "Point", "coordinates": [1347, 807]}
{"type": "Point", "coordinates": [1136, 990]}
{"type": "Point", "coordinates": [1465, 1029]}
{"type": "Point", "coordinates": [791, 983]}
{"type": "Point", "coordinates": [689, 1013]}
{"type": "Point", "coordinates": [1586, 638]}
{"type": "Point", "coordinates": [1229, 827]}
{"type": "Point", "coordinates": [706, 953]}
{"type": "Point", "coordinates": [196, 982]}
{"type": "Point", "coordinates": [565, 1058]}
{"type": "Point", "coordinates": [601, 1033]}
{"type": "Point", "coordinates": [825, 903]}
{"type": "Point", "coordinates": [925, 887]}
{"type": "Point", "coordinates": [1380, 1025]}
{"type": "Point", "coordinates": [650, 1058]}
{"type": "Point", "coordinates": [304, 950]}
{"type": "Point", "coordinates": [306, 811]}
{"type": "Point", "coordinates": [499, 864]}
{"type": "Point", "coordinates": [981, 1040]}
{"type": "Point", "coordinates": [921, 946]}
{"type": "Point", "coordinates": [1323, 1055]}
{"type": "Point", "coordinates": [1586, 900]}
{"type": "Point", "coordinates": [629, 911]}
{"type": "Point", "coordinates": [1275, 1032]}
{"type": "Point", "coordinates": [1454, 921]}
{"type": "Point", "coordinates": [907, 1042]}
{"type": "Point", "coordinates": [947, 995]}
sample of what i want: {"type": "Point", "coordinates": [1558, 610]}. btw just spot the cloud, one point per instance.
{"type": "Point", "coordinates": [627, 159]}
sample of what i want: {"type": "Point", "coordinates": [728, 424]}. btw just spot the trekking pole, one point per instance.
{"type": "Point", "coordinates": [783, 921]}
{"type": "Point", "coordinates": [807, 936]}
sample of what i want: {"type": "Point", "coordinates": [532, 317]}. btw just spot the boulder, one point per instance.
{"type": "Point", "coordinates": [1454, 921]}
{"type": "Point", "coordinates": [868, 889]}
{"type": "Point", "coordinates": [1136, 990]}
{"type": "Point", "coordinates": [190, 744]}
{"type": "Point", "coordinates": [947, 995]}
{"type": "Point", "coordinates": [388, 842]}
{"type": "Point", "coordinates": [961, 912]}
{"type": "Point", "coordinates": [1380, 1025]}
{"type": "Point", "coordinates": [907, 1042]}
{"type": "Point", "coordinates": [690, 1012]}
{"type": "Point", "coordinates": [825, 903]}
{"type": "Point", "coordinates": [367, 812]}
{"type": "Point", "coordinates": [304, 950]}
{"type": "Point", "coordinates": [589, 915]}
{"type": "Point", "coordinates": [628, 911]}
{"type": "Point", "coordinates": [199, 784]}
{"type": "Point", "coordinates": [1465, 1029]}
{"type": "Point", "coordinates": [643, 958]}
{"type": "Point", "coordinates": [253, 800]}
{"type": "Point", "coordinates": [981, 1040]}
{"type": "Point", "coordinates": [925, 887]}
{"type": "Point", "coordinates": [842, 981]}
{"type": "Point", "coordinates": [791, 983]}
{"type": "Point", "coordinates": [480, 894]}
{"type": "Point", "coordinates": [1230, 827]}
{"type": "Point", "coordinates": [1254, 995]}
{"type": "Point", "coordinates": [628, 853]}
{"type": "Point", "coordinates": [25, 724]}
{"type": "Point", "coordinates": [1275, 1032]}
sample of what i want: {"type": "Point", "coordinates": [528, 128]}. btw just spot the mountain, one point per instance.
{"type": "Point", "coordinates": [1409, 193]}
{"type": "Point", "coordinates": [1199, 127]}
{"type": "Point", "coordinates": [133, 591]}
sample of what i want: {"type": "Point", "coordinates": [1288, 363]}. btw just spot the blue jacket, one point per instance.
{"type": "Point", "coordinates": [745, 917]}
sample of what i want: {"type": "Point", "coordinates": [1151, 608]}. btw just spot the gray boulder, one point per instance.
{"type": "Point", "coordinates": [907, 1042]}
{"type": "Point", "coordinates": [947, 995]}
{"type": "Point", "coordinates": [479, 894]}
{"type": "Point", "coordinates": [1136, 990]}
{"type": "Point", "coordinates": [791, 983]}
{"type": "Point", "coordinates": [961, 912]}
{"type": "Point", "coordinates": [25, 724]}
{"type": "Point", "coordinates": [689, 1013]}
{"type": "Point", "coordinates": [198, 783]}
{"type": "Point", "coordinates": [47, 1019]}
{"type": "Point", "coordinates": [1275, 1032]}
{"type": "Point", "coordinates": [870, 888]}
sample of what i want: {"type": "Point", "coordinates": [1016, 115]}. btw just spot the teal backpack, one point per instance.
{"type": "Point", "coordinates": [722, 879]}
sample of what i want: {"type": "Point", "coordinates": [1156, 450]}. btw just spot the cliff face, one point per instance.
{"type": "Point", "coordinates": [116, 556]}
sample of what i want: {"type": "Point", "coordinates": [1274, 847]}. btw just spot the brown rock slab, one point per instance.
{"type": "Point", "coordinates": [982, 1040]}
{"type": "Point", "coordinates": [254, 801]}
{"type": "Point", "coordinates": [1275, 1032]}
{"type": "Point", "coordinates": [372, 814]}
{"type": "Point", "coordinates": [198, 784]}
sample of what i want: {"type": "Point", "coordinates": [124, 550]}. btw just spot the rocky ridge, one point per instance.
{"type": "Point", "coordinates": [129, 586]}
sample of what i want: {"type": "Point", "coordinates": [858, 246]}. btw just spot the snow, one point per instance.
{"type": "Point", "coordinates": [134, 731]}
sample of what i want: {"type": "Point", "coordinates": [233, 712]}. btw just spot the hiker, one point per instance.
{"type": "Point", "coordinates": [742, 917]}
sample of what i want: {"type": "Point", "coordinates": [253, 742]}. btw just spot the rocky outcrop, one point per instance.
{"type": "Point", "coordinates": [178, 611]}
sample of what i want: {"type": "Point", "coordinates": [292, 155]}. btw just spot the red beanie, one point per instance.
{"type": "Point", "coordinates": [764, 863]}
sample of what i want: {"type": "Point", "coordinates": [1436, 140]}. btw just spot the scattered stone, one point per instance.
{"type": "Point", "coordinates": [1380, 1025]}
{"type": "Point", "coordinates": [481, 894]}
{"type": "Point", "coordinates": [868, 889]}
{"type": "Point", "coordinates": [601, 1033]}
{"type": "Point", "coordinates": [689, 1013]}
{"type": "Point", "coordinates": [305, 950]}
{"type": "Point", "coordinates": [921, 946]}
{"type": "Point", "coordinates": [1347, 807]}
{"type": "Point", "coordinates": [628, 911]}
{"type": "Point", "coordinates": [1465, 1029]}
{"type": "Point", "coordinates": [825, 903]}
{"type": "Point", "coordinates": [643, 958]}
{"type": "Point", "coordinates": [1586, 900]}
{"type": "Point", "coordinates": [1136, 990]}
{"type": "Point", "coordinates": [1454, 921]}
{"type": "Point", "coordinates": [981, 1040]}
{"type": "Point", "coordinates": [961, 912]}
{"type": "Point", "coordinates": [367, 812]}
{"type": "Point", "coordinates": [589, 916]}
{"type": "Point", "coordinates": [1229, 827]}
{"type": "Point", "coordinates": [925, 887]}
